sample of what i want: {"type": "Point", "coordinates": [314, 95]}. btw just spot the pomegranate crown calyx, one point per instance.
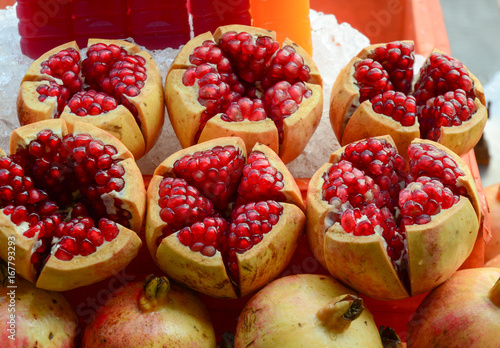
{"type": "Point", "coordinates": [494, 294]}
{"type": "Point", "coordinates": [154, 294]}
{"type": "Point", "coordinates": [338, 314]}
{"type": "Point", "coordinates": [390, 338]}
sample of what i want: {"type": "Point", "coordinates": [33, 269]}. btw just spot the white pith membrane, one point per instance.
{"type": "Point", "coordinates": [408, 181]}
{"type": "Point", "coordinates": [38, 248]}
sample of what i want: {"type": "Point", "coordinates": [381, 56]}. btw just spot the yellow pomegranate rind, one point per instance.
{"type": "Point", "coordinates": [440, 247]}
{"type": "Point", "coordinates": [264, 262]}
{"type": "Point", "coordinates": [363, 264]}
{"type": "Point", "coordinates": [435, 250]}
{"type": "Point", "coordinates": [286, 314]}
{"type": "Point", "coordinates": [29, 109]}
{"type": "Point", "coordinates": [263, 132]}
{"type": "Point", "coordinates": [120, 121]}
{"type": "Point", "coordinates": [185, 111]}
{"type": "Point", "coordinates": [201, 273]}
{"type": "Point", "coordinates": [109, 258]}
{"type": "Point", "coordinates": [352, 121]}
{"type": "Point", "coordinates": [365, 123]}
{"type": "Point", "coordinates": [269, 258]}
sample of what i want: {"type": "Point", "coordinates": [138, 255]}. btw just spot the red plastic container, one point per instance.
{"type": "Point", "coordinates": [208, 15]}
{"type": "Point", "coordinates": [157, 24]}
{"type": "Point", "coordinates": [43, 25]}
{"type": "Point", "coordinates": [99, 19]}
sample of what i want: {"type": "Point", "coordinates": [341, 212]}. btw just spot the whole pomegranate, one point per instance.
{"type": "Point", "coordinates": [391, 229]}
{"type": "Point", "coordinates": [492, 248]}
{"type": "Point", "coordinates": [306, 310]}
{"type": "Point", "coordinates": [239, 82]}
{"type": "Point", "coordinates": [375, 95]}
{"type": "Point", "coordinates": [31, 317]}
{"type": "Point", "coordinates": [462, 312]}
{"type": "Point", "coordinates": [153, 313]}
{"type": "Point", "coordinates": [71, 201]}
{"type": "Point", "coordinates": [116, 87]}
{"type": "Point", "coordinates": [220, 222]}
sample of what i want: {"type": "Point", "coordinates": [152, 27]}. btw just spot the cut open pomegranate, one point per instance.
{"type": "Point", "coordinates": [373, 95]}
{"type": "Point", "coordinates": [239, 82]}
{"type": "Point", "coordinates": [116, 87]}
{"type": "Point", "coordinates": [392, 229]}
{"type": "Point", "coordinates": [219, 223]}
{"type": "Point", "coordinates": [71, 201]}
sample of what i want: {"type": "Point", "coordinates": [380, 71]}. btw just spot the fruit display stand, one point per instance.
{"type": "Point", "coordinates": [382, 21]}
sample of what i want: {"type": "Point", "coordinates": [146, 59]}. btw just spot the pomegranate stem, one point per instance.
{"type": "Point", "coordinates": [154, 294]}
{"type": "Point", "coordinates": [494, 294]}
{"type": "Point", "coordinates": [338, 314]}
{"type": "Point", "coordinates": [390, 338]}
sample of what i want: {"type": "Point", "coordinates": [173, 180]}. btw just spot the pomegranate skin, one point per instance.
{"type": "Point", "coordinates": [459, 313]}
{"type": "Point", "coordinates": [492, 248]}
{"type": "Point", "coordinates": [182, 321]}
{"type": "Point", "coordinates": [286, 313]}
{"type": "Point", "coordinates": [43, 318]}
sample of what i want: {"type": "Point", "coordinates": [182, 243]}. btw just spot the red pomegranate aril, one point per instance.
{"type": "Point", "coordinates": [239, 234]}
{"type": "Point", "coordinates": [220, 182]}
{"type": "Point", "coordinates": [442, 74]}
{"type": "Point", "coordinates": [182, 203]}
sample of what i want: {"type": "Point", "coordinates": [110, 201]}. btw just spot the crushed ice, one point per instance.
{"type": "Point", "coordinates": [333, 46]}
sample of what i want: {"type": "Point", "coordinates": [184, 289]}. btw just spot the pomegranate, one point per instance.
{"type": "Point", "coordinates": [306, 310]}
{"type": "Point", "coordinates": [462, 312]}
{"type": "Point", "coordinates": [391, 229]}
{"type": "Point", "coordinates": [494, 262]}
{"type": "Point", "coordinates": [152, 313]}
{"type": "Point", "coordinates": [71, 201]}
{"type": "Point", "coordinates": [221, 223]}
{"type": "Point", "coordinates": [117, 87]}
{"type": "Point", "coordinates": [239, 82]}
{"type": "Point", "coordinates": [31, 317]}
{"type": "Point", "coordinates": [492, 248]}
{"type": "Point", "coordinates": [373, 95]}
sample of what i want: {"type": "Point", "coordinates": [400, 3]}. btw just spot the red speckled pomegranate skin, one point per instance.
{"type": "Point", "coordinates": [458, 313]}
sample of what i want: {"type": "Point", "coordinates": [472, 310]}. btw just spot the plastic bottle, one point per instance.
{"type": "Point", "coordinates": [158, 24]}
{"type": "Point", "coordinates": [105, 19]}
{"type": "Point", "coordinates": [43, 25]}
{"type": "Point", "coordinates": [208, 15]}
{"type": "Point", "coordinates": [288, 18]}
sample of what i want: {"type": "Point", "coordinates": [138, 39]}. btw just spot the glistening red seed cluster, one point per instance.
{"type": "Point", "coordinates": [198, 203]}
{"type": "Point", "coordinates": [107, 78]}
{"type": "Point", "coordinates": [371, 193]}
{"type": "Point", "coordinates": [247, 77]}
{"type": "Point", "coordinates": [38, 186]}
{"type": "Point", "coordinates": [443, 94]}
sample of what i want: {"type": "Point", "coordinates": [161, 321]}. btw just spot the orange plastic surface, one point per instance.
{"type": "Point", "coordinates": [287, 19]}
{"type": "Point", "coordinates": [388, 20]}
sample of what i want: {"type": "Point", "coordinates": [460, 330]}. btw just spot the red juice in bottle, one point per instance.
{"type": "Point", "coordinates": [43, 25]}
{"type": "Point", "coordinates": [158, 24]}
{"type": "Point", "coordinates": [105, 19]}
{"type": "Point", "coordinates": [208, 15]}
